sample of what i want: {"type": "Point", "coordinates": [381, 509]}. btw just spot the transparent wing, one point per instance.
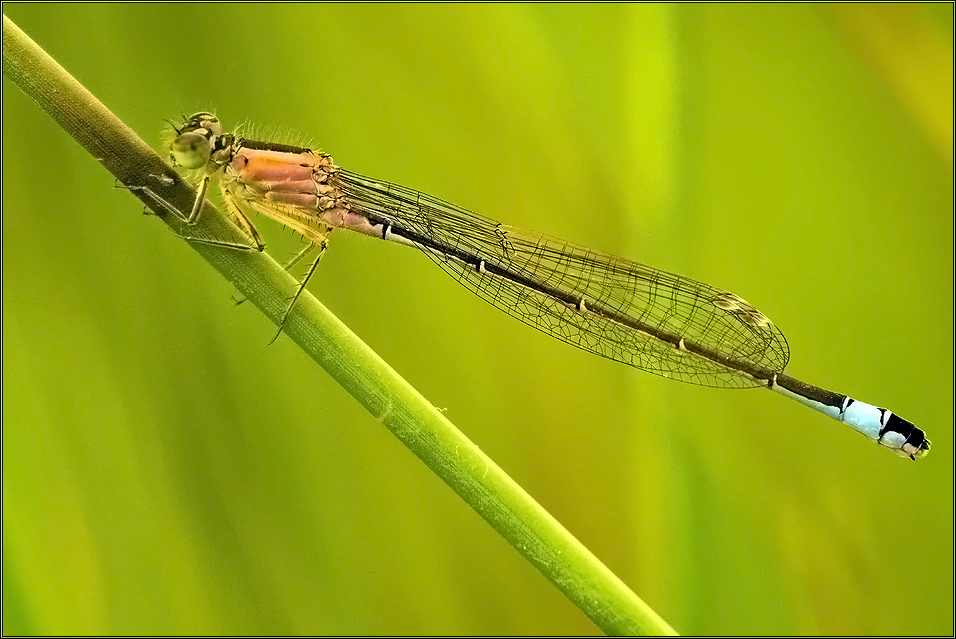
{"type": "Point", "coordinates": [667, 303]}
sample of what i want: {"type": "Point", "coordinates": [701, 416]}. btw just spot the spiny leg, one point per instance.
{"type": "Point", "coordinates": [198, 202]}
{"type": "Point", "coordinates": [193, 217]}
{"type": "Point", "coordinates": [322, 246]}
{"type": "Point", "coordinates": [156, 197]}
{"type": "Point", "coordinates": [287, 266]}
{"type": "Point", "coordinates": [235, 207]}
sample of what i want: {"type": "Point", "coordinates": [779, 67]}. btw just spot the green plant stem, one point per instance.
{"type": "Point", "coordinates": [390, 399]}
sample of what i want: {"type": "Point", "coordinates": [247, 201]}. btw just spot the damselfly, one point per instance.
{"type": "Point", "coordinates": [650, 319]}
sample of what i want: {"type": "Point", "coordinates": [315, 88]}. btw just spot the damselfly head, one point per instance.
{"type": "Point", "coordinates": [202, 121]}
{"type": "Point", "coordinates": [195, 141]}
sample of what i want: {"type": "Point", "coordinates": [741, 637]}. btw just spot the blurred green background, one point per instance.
{"type": "Point", "coordinates": [165, 471]}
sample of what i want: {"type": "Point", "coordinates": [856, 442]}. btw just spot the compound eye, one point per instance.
{"type": "Point", "coordinates": [190, 150]}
